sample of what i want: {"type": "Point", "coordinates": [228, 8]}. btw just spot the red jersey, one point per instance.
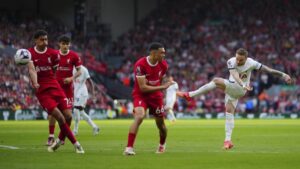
{"type": "Point", "coordinates": [44, 63]}
{"type": "Point", "coordinates": [65, 68]}
{"type": "Point", "coordinates": [153, 74]}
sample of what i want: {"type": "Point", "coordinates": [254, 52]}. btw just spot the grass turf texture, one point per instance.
{"type": "Point", "coordinates": [191, 144]}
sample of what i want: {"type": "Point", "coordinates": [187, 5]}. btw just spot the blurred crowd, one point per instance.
{"type": "Point", "coordinates": [200, 36]}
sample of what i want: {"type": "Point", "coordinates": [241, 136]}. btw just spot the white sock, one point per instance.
{"type": "Point", "coordinates": [170, 111]}
{"type": "Point", "coordinates": [88, 119]}
{"type": "Point", "coordinates": [229, 125]}
{"type": "Point", "coordinates": [203, 89]}
{"type": "Point", "coordinates": [76, 119]}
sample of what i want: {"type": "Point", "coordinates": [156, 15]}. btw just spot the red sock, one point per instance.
{"type": "Point", "coordinates": [61, 136]}
{"type": "Point", "coordinates": [162, 140]}
{"type": "Point", "coordinates": [131, 138]}
{"type": "Point", "coordinates": [66, 131]}
{"type": "Point", "coordinates": [51, 129]}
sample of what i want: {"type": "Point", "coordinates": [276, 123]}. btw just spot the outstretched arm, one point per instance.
{"type": "Point", "coordinates": [274, 72]}
{"type": "Point", "coordinates": [33, 75]}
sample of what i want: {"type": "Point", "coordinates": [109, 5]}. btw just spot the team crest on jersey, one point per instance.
{"type": "Point", "coordinates": [49, 59]}
{"type": "Point", "coordinates": [230, 64]}
{"type": "Point", "coordinates": [159, 73]}
{"type": "Point", "coordinates": [68, 61]}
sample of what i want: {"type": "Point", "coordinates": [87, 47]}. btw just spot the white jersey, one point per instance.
{"type": "Point", "coordinates": [171, 90]}
{"type": "Point", "coordinates": [171, 95]}
{"type": "Point", "coordinates": [245, 70]}
{"type": "Point", "coordinates": [80, 88]}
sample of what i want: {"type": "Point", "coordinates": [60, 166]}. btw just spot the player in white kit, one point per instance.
{"type": "Point", "coordinates": [171, 94]}
{"type": "Point", "coordinates": [81, 96]}
{"type": "Point", "coordinates": [235, 87]}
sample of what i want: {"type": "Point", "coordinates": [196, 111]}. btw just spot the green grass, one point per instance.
{"type": "Point", "coordinates": [259, 144]}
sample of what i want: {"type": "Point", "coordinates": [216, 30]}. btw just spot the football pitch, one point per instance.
{"type": "Point", "coordinates": [259, 144]}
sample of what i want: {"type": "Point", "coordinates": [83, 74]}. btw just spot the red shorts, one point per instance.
{"type": "Point", "coordinates": [53, 97]}
{"type": "Point", "coordinates": [156, 106]}
{"type": "Point", "coordinates": [69, 92]}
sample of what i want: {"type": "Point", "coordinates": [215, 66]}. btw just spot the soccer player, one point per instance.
{"type": "Point", "coordinates": [240, 68]}
{"type": "Point", "coordinates": [147, 94]}
{"type": "Point", "coordinates": [64, 74]}
{"type": "Point", "coordinates": [171, 93]}
{"type": "Point", "coordinates": [81, 97]}
{"type": "Point", "coordinates": [52, 98]}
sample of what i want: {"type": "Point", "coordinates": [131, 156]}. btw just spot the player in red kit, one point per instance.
{"type": "Point", "coordinates": [147, 94]}
{"type": "Point", "coordinates": [64, 74]}
{"type": "Point", "coordinates": [52, 98]}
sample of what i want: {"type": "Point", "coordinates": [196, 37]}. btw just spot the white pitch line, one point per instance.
{"type": "Point", "coordinates": [9, 147]}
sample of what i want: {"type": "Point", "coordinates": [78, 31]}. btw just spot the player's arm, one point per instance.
{"type": "Point", "coordinates": [77, 74]}
{"type": "Point", "coordinates": [92, 86]}
{"type": "Point", "coordinates": [33, 75]}
{"type": "Point", "coordinates": [145, 88]}
{"type": "Point", "coordinates": [237, 78]}
{"type": "Point", "coordinates": [278, 73]}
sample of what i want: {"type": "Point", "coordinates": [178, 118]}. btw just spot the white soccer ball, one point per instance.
{"type": "Point", "coordinates": [22, 56]}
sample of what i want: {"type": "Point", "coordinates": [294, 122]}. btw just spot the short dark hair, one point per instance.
{"type": "Point", "coordinates": [155, 46]}
{"type": "Point", "coordinates": [64, 38]}
{"type": "Point", "coordinates": [39, 33]}
{"type": "Point", "coordinates": [242, 51]}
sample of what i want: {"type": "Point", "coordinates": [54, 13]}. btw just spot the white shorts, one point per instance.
{"type": "Point", "coordinates": [233, 92]}
{"type": "Point", "coordinates": [170, 101]}
{"type": "Point", "coordinates": [80, 100]}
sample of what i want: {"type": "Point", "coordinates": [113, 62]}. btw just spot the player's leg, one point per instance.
{"type": "Point", "coordinates": [63, 109]}
{"type": "Point", "coordinates": [76, 120]}
{"type": "Point", "coordinates": [170, 101]}
{"type": "Point", "coordinates": [160, 123]}
{"type": "Point", "coordinates": [139, 114]}
{"type": "Point", "coordinates": [215, 83]}
{"type": "Point", "coordinates": [170, 112]}
{"type": "Point", "coordinates": [229, 120]}
{"type": "Point", "coordinates": [88, 119]}
{"type": "Point", "coordinates": [52, 122]}
{"type": "Point", "coordinates": [63, 119]}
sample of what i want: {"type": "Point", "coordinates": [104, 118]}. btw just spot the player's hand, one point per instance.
{"type": "Point", "coordinates": [68, 80]}
{"type": "Point", "coordinates": [247, 87]}
{"type": "Point", "coordinates": [167, 84]}
{"type": "Point", "coordinates": [36, 85]}
{"type": "Point", "coordinates": [287, 79]}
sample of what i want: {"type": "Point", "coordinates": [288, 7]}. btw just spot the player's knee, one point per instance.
{"type": "Point", "coordinates": [163, 129]}
{"type": "Point", "coordinates": [217, 80]}
{"type": "Point", "coordinates": [60, 119]}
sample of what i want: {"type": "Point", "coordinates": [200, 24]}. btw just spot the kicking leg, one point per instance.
{"type": "Point", "coordinates": [63, 119]}
{"type": "Point", "coordinates": [215, 83]}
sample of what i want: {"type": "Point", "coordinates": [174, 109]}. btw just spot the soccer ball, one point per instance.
{"type": "Point", "coordinates": [22, 56]}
